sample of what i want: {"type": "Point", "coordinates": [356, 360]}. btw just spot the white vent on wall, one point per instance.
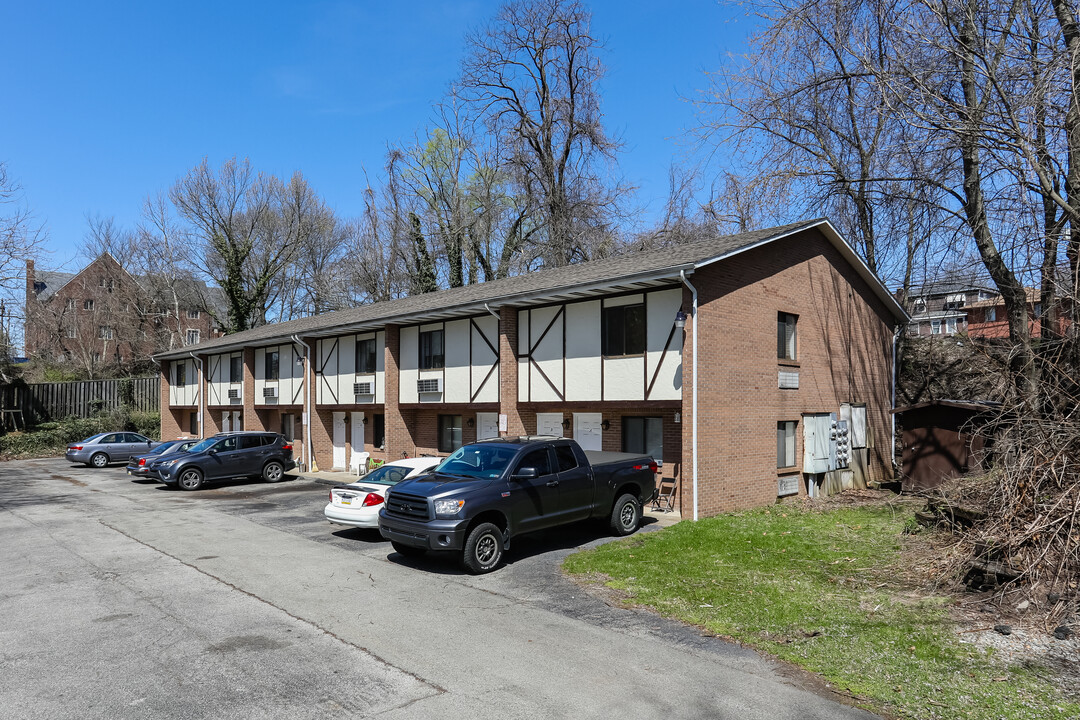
{"type": "Point", "coordinates": [270, 392]}
{"type": "Point", "coordinates": [363, 388]}
{"type": "Point", "coordinates": [433, 385]}
{"type": "Point", "coordinates": [788, 380]}
{"type": "Point", "coordinates": [234, 394]}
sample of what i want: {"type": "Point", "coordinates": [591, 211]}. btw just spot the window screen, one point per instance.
{"type": "Point", "coordinates": [623, 330]}
{"type": "Point", "coordinates": [785, 444]}
{"type": "Point", "coordinates": [644, 436]}
{"type": "Point", "coordinates": [785, 336]}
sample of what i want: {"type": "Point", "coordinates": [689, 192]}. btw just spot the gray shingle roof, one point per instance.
{"type": "Point", "coordinates": [641, 266]}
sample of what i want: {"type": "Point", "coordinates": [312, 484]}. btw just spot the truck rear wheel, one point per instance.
{"type": "Point", "coordinates": [483, 549]}
{"type": "Point", "coordinates": [626, 515]}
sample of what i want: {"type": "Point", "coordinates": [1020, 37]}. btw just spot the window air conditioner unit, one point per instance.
{"type": "Point", "coordinates": [270, 392]}
{"type": "Point", "coordinates": [433, 385]}
{"type": "Point", "coordinates": [362, 388]}
{"type": "Point", "coordinates": [234, 394]}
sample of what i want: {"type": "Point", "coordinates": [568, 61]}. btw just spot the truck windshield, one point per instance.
{"type": "Point", "coordinates": [477, 461]}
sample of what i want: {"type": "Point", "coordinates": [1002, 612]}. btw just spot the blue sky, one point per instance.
{"type": "Point", "coordinates": [106, 103]}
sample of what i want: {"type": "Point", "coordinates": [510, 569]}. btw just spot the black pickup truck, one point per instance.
{"type": "Point", "coordinates": [485, 493]}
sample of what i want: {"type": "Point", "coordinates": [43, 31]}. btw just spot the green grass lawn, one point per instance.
{"type": "Point", "coordinates": [815, 588]}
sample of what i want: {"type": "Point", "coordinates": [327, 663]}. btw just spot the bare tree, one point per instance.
{"type": "Point", "coordinates": [20, 240]}
{"type": "Point", "coordinates": [532, 74]}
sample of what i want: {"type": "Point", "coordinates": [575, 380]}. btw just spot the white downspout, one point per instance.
{"type": "Point", "coordinates": [892, 415]}
{"type": "Point", "coordinates": [694, 417]}
{"type": "Point", "coordinates": [202, 394]}
{"type": "Point", "coordinates": [306, 424]}
{"type": "Point", "coordinates": [495, 314]}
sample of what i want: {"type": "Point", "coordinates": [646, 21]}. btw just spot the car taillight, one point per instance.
{"type": "Point", "coordinates": [651, 467]}
{"type": "Point", "coordinates": [286, 446]}
{"type": "Point", "coordinates": [142, 461]}
{"type": "Point", "coordinates": [74, 447]}
{"type": "Point", "coordinates": [372, 499]}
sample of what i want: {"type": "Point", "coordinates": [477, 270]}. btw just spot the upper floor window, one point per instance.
{"type": "Point", "coordinates": [192, 337]}
{"type": "Point", "coordinates": [39, 286]}
{"type": "Point", "coordinates": [88, 305]}
{"type": "Point", "coordinates": [108, 284]}
{"type": "Point", "coordinates": [365, 356]}
{"type": "Point", "coordinates": [991, 314]}
{"type": "Point", "coordinates": [105, 332]}
{"type": "Point", "coordinates": [71, 332]}
{"type": "Point", "coordinates": [431, 350]}
{"type": "Point", "coordinates": [272, 367]}
{"type": "Point", "coordinates": [236, 369]}
{"type": "Point", "coordinates": [786, 345]}
{"type": "Point", "coordinates": [71, 303]}
{"type": "Point", "coordinates": [623, 330]}
{"type": "Point", "coordinates": [181, 374]}
{"type": "Point", "coordinates": [193, 314]}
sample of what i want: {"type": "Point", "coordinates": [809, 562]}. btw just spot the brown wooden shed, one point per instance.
{"type": "Point", "coordinates": [940, 440]}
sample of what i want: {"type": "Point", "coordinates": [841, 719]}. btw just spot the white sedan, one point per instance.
{"type": "Point", "coordinates": [357, 504]}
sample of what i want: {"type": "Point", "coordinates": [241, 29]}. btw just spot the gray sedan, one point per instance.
{"type": "Point", "coordinates": [104, 448]}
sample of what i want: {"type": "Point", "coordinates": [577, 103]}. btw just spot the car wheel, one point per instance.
{"type": "Point", "coordinates": [626, 515]}
{"type": "Point", "coordinates": [483, 549]}
{"type": "Point", "coordinates": [190, 479]}
{"type": "Point", "coordinates": [407, 550]}
{"type": "Point", "coordinates": [273, 472]}
{"type": "Point", "coordinates": [99, 460]}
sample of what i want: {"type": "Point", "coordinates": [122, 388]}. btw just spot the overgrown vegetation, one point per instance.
{"type": "Point", "coordinates": [51, 438]}
{"type": "Point", "coordinates": [820, 589]}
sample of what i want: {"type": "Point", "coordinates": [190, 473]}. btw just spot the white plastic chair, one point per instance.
{"type": "Point", "coordinates": [361, 463]}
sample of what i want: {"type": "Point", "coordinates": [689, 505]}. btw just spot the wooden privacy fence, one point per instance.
{"type": "Point", "coordinates": [23, 405]}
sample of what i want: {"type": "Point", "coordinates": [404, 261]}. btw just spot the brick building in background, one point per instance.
{"type": "Point", "coordinates": [794, 333]}
{"type": "Point", "coordinates": [102, 318]}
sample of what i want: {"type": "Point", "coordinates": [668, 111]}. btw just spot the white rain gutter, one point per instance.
{"type": "Point", "coordinates": [895, 372]}
{"type": "Point", "coordinates": [307, 402]}
{"type": "Point", "coordinates": [202, 395]}
{"type": "Point", "coordinates": [694, 418]}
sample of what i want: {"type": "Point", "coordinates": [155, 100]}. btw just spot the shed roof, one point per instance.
{"type": "Point", "coordinates": [631, 271]}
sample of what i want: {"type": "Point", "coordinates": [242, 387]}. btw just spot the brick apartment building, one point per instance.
{"type": "Point", "coordinates": [102, 316]}
{"type": "Point", "coordinates": [793, 332]}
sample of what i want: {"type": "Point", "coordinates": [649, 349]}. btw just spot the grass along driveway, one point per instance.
{"type": "Point", "coordinates": [817, 588]}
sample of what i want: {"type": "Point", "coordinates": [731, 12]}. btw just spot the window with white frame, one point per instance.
{"type": "Point", "coordinates": [193, 314]}
{"type": "Point", "coordinates": [71, 303]}
{"type": "Point", "coordinates": [181, 374]}
{"type": "Point", "coordinates": [785, 444]}
{"type": "Point", "coordinates": [950, 326]}
{"type": "Point", "coordinates": [71, 332]}
{"type": "Point", "coordinates": [192, 337]}
{"type": "Point", "coordinates": [105, 332]}
{"type": "Point", "coordinates": [991, 314]}
{"type": "Point", "coordinates": [623, 330]}
{"type": "Point", "coordinates": [88, 305]}
{"type": "Point", "coordinates": [935, 327]}
{"type": "Point", "coordinates": [431, 350]}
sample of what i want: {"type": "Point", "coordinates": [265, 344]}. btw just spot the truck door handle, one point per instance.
{"type": "Point", "coordinates": [552, 483]}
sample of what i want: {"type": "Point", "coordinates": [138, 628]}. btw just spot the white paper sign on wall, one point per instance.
{"type": "Point", "coordinates": [503, 422]}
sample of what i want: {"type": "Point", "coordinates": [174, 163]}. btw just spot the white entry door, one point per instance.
{"type": "Point", "coordinates": [549, 424]}
{"type": "Point", "coordinates": [487, 425]}
{"type": "Point", "coordinates": [357, 440]}
{"type": "Point", "coordinates": [339, 441]}
{"type": "Point", "coordinates": [225, 421]}
{"type": "Point", "coordinates": [588, 431]}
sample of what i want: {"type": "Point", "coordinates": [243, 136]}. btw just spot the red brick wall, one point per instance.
{"type": "Point", "coordinates": [844, 340]}
{"type": "Point", "coordinates": [508, 372]}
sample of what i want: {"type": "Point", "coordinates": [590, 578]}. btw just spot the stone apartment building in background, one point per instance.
{"type": "Point", "coordinates": [102, 319]}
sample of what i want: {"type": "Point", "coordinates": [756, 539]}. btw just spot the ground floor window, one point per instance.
{"type": "Point", "coordinates": [288, 423]}
{"type": "Point", "coordinates": [449, 433]}
{"type": "Point", "coordinates": [194, 424]}
{"type": "Point", "coordinates": [378, 431]}
{"type": "Point", "coordinates": [785, 444]}
{"type": "Point", "coordinates": [643, 435]}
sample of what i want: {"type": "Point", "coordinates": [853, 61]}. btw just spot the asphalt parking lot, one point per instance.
{"type": "Point", "coordinates": [124, 599]}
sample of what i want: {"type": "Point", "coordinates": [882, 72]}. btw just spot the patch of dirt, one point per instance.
{"type": "Point", "coordinates": [71, 480]}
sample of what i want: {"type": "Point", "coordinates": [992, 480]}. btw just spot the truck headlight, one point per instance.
{"type": "Point", "coordinates": [448, 508]}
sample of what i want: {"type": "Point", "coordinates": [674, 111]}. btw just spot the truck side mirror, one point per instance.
{"type": "Point", "coordinates": [525, 473]}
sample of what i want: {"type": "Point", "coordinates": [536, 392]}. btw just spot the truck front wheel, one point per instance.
{"type": "Point", "coordinates": [483, 549]}
{"type": "Point", "coordinates": [626, 515]}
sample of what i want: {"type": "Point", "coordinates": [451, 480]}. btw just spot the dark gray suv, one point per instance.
{"type": "Point", "coordinates": [226, 455]}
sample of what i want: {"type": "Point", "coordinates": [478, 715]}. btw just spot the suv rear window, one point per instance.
{"type": "Point", "coordinates": [251, 441]}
